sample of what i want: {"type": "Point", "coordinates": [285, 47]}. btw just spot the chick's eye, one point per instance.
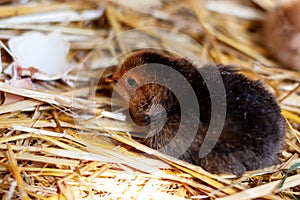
{"type": "Point", "coordinates": [131, 82]}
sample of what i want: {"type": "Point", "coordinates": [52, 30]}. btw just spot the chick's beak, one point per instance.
{"type": "Point", "coordinates": [111, 79]}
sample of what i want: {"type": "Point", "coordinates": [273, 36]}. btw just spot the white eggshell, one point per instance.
{"type": "Point", "coordinates": [47, 53]}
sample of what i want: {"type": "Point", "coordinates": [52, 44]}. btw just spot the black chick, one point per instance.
{"type": "Point", "coordinates": [251, 137]}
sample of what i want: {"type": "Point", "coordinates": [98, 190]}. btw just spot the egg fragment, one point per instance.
{"type": "Point", "coordinates": [46, 53]}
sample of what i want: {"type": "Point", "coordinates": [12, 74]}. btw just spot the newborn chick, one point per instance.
{"type": "Point", "coordinates": [253, 132]}
{"type": "Point", "coordinates": [282, 33]}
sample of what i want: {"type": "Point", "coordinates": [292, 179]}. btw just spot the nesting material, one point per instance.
{"type": "Point", "coordinates": [62, 140]}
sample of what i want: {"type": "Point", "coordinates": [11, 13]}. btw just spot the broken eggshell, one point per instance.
{"type": "Point", "coordinates": [47, 54]}
{"type": "Point", "coordinates": [13, 98]}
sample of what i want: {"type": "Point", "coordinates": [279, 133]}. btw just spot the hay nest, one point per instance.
{"type": "Point", "coordinates": [61, 141]}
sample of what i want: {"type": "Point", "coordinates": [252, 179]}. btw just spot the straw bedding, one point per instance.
{"type": "Point", "coordinates": [62, 140]}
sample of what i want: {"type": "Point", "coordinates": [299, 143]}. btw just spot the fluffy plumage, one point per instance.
{"type": "Point", "coordinates": [253, 133]}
